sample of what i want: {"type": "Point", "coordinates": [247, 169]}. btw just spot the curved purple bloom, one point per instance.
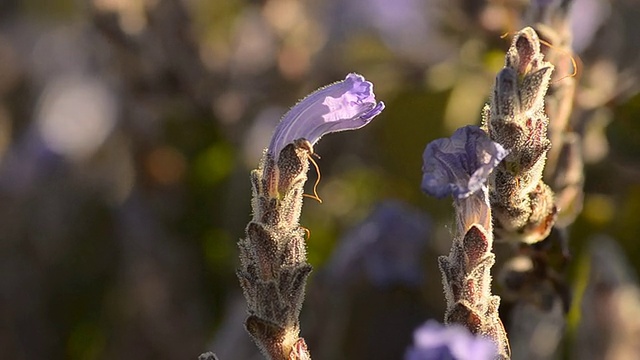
{"type": "Point", "coordinates": [460, 165]}
{"type": "Point", "coordinates": [433, 341]}
{"type": "Point", "coordinates": [345, 105]}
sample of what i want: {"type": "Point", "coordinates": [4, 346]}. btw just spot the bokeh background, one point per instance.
{"type": "Point", "coordinates": [128, 129]}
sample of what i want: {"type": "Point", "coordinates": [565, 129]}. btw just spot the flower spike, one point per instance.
{"type": "Point", "coordinates": [460, 166]}
{"type": "Point", "coordinates": [273, 261]}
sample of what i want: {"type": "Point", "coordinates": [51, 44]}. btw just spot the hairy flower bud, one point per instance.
{"type": "Point", "coordinates": [522, 203]}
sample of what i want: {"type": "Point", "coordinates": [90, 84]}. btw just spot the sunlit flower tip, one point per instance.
{"type": "Point", "coordinates": [433, 341]}
{"type": "Point", "coordinates": [345, 105]}
{"type": "Point", "coordinates": [460, 165]}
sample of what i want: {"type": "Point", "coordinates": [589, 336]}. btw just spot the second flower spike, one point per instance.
{"type": "Point", "coordinates": [523, 205]}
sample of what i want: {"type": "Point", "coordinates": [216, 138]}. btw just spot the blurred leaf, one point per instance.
{"type": "Point", "coordinates": [213, 164]}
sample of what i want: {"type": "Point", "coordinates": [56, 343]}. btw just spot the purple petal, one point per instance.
{"type": "Point", "coordinates": [345, 105]}
{"type": "Point", "coordinates": [461, 164]}
{"type": "Point", "coordinates": [433, 341]}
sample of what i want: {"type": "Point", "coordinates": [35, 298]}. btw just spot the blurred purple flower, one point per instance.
{"type": "Point", "coordinates": [345, 105]}
{"type": "Point", "coordinates": [433, 341]}
{"type": "Point", "coordinates": [387, 246]}
{"type": "Point", "coordinates": [28, 163]}
{"type": "Point", "coordinates": [460, 165]}
{"type": "Point", "coordinates": [404, 26]}
{"type": "Point", "coordinates": [587, 16]}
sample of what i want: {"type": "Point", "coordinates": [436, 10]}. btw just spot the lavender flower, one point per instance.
{"type": "Point", "coordinates": [433, 341]}
{"type": "Point", "coordinates": [273, 259]}
{"type": "Point", "coordinates": [345, 105]}
{"type": "Point", "coordinates": [460, 165]}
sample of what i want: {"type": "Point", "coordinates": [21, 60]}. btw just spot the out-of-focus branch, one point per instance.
{"type": "Point", "coordinates": [610, 323]}
{"type": "Point", "coordinates": [564, 168]}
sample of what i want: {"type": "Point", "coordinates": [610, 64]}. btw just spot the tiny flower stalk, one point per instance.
{"type": "Point", "coordinates": [523, 205]}
{"type": "Point", "coordinates": [274, 266]}
{"type": "Point", "coordinates": [460, 166]}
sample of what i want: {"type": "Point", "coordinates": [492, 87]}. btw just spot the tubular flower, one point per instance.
{"type": "Point", "coordinates": [460, 165]}
{"type": "Point", "coordinates": [345, 105]}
